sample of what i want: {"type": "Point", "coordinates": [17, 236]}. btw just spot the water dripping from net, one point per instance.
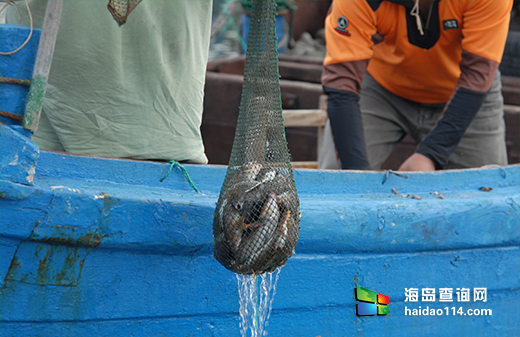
{"type": "Point", "coordinates": [256, 299]}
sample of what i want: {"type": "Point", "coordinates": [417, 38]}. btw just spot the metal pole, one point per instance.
{"type": "Point", "coordinates": [42, 65]}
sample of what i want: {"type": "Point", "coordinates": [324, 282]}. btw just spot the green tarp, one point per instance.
{"type": "Point", "coordinates": [134, 91]}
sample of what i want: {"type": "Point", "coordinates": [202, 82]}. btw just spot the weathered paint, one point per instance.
{"type": "Point", "coordinates": [42, 65]}
{"type": "Point", "coordinates": [34, 102]}
{"type": "Point", "coordinates": [18, 157]}
{"type": "Point", "coordinates": [46, 264]}
{"type": "Point", "coordinates": [104, 248]}
{"type": "Point", "coordinates": [76, 236]}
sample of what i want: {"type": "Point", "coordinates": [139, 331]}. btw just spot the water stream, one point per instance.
{"type": "Point", "coordinates": [256, 299]}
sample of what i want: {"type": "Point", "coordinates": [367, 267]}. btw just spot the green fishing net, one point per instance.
{"type": "Point", "coordinates": [256, 221]}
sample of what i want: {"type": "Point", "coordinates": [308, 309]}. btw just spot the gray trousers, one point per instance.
{"type": "Point", "coordinates": [388, 118]}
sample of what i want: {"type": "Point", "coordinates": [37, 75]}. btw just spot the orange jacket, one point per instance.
{"type": "Point", "coordinates": [462, 46]}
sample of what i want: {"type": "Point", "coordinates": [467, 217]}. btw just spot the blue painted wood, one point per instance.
{"type": "Point", "coordinates": [101, 247]}
{"type": "Point", "coordinates": [18, 157]}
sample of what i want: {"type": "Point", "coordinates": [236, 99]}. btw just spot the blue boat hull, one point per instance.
{"type": "Point", "coordinates": [94, 246]}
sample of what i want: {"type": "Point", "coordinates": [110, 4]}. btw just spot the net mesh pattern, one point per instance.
{"type": "Point", "coordinates": [120, 9]}
{"type": "Point", "coordinates": [256, 221]}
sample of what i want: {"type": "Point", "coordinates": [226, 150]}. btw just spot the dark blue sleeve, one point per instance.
{"type": "Point", "coordinates": [347, 128]}
{"type": "Point", "coordinates": [448, 132]}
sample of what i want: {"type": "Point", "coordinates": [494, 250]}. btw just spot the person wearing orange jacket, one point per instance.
{"type": "Point", "coordinates": [433, 75]}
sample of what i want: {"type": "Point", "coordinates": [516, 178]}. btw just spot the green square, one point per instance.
{"type": "Point", "coordinates": [365, 295]}
{"type": "Point", "coordinates": [383, 309]}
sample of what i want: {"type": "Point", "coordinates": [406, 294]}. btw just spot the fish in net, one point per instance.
{"type": "Point", "coordinates": [120, 9]}
{"type": "Point", "coordinates": [256, 220]}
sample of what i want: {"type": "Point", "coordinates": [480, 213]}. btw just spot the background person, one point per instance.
{"type": "Point", "coordinates": [433, 76]}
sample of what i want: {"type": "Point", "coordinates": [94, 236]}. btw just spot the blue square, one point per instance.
{"type": "Point", "coordinates": [366, 309]}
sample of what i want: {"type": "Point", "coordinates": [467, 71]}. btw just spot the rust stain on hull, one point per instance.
{"type": "Point", "coordinates": [89, 240]}
{"type": "Point", "coordinates": [47, 264]}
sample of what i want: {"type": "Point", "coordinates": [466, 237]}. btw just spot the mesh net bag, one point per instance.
{"type": "Point", "coordinates": [120, 9]}
{"type": "Point", "coordinates": [256, 221]}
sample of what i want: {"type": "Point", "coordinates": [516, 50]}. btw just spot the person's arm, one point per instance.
{"type": "Point", "coordinates": [345, 121]}
{"type": "Point", "coordinates": [349, 48]}
{"type": "Point", "coordinates": [485, 29]}
{"type": "Point", "coordinates": [448, 132]}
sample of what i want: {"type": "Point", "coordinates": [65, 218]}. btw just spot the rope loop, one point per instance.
{"type": "Point", "coordinates": [184, 173]}
{"type": "Point", "coordinates": [30, 33]}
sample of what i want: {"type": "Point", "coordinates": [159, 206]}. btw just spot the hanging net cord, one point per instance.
{"type": "Point", "coordinates": [256, 221]}
{"type": "Point", "coordinates": [184, 173]}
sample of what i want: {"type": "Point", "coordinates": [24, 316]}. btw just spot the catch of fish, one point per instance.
{"type": "Point", "coordinates": [256, 223]}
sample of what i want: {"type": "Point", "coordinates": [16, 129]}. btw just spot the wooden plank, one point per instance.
{"type": "Point", "coordinates": [301, 59]}
{"type": "Point", "coordinates": [42, 65]}
{"type": "Point", "coordinates": [304, 164]}
{"type": "Point", "coordinates": [511, 109]}
{"type": "Point", "coordinates": [300, 71]}
{"type": "Point", "coordinates": [232, 65]}
{"type": "Point", "coordinates": [304, 117]}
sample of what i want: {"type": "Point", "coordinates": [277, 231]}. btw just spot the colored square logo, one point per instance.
{"type": "Point", "coordinates": [365, 295]}
{"type": "Point", "coordinates": [383, 299]}
{"type": "Point", "coordinates": [371, 303]}
{"type": "Point", "coordinates": [383, 309]}
{"type": "Point", "coordinates": [366, 309]}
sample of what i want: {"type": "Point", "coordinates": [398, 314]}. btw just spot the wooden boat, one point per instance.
{"type": "Point", "coordinates": [99, 246]}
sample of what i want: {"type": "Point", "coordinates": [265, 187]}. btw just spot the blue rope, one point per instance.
{"type": "Point", "coordinates": [184, 173]}
{"type": "Point", "coordinates": [392, 172]}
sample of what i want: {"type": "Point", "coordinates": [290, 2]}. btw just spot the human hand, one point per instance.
{"type": "Point", "coordinates": [417, 162]}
